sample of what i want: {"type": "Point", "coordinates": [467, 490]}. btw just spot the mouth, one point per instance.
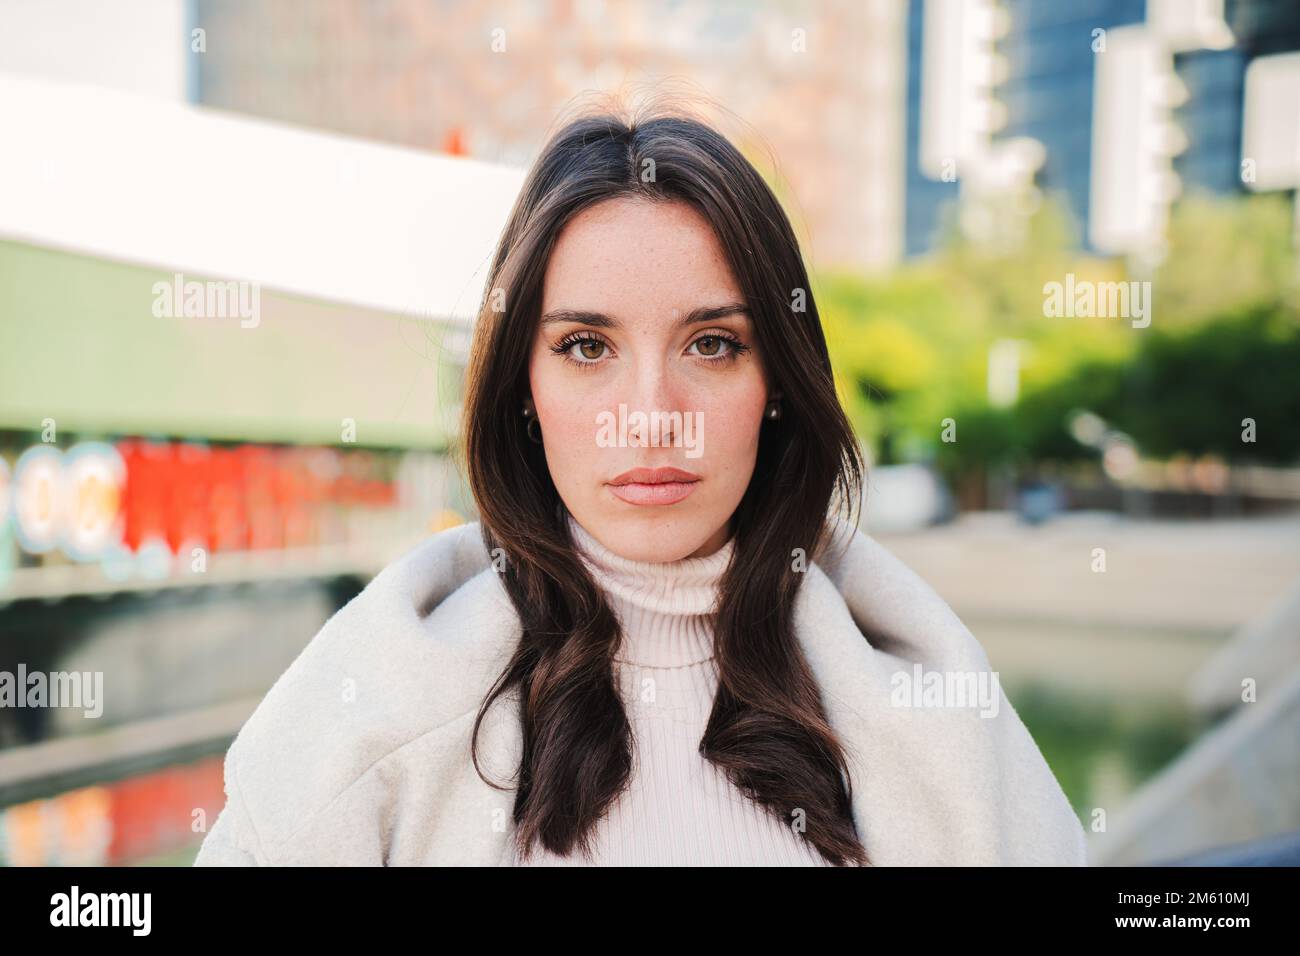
{"type": "Point", "coordinates": [653, 486]}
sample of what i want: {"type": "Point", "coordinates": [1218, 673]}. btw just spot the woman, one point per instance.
{"type": "Point", "coordinates": [659, 644]}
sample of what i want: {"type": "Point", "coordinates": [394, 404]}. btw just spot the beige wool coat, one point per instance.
{"type": "Point", "coordinates": [359, 754]}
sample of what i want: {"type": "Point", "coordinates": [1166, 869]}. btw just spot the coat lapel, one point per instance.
{"type": "Point", "coordinates": [954, 784]}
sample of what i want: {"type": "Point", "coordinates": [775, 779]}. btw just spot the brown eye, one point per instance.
{"type": "Point", "coordinates": [709, 345]}
{"type": "Point", "coordinates": [591, 350]}
{"type": "Point", "coordinates": [718, 348]}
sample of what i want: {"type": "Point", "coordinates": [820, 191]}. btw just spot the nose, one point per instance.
{"type": "Point", "coordinates": [656, 395]}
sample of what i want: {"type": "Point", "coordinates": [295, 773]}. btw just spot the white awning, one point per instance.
{"type": "Point", "coordinates": [194, 190]}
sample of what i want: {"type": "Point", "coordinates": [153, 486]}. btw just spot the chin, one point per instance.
{"type": "Point", "coordinates": [638, 549]}
{"type": "Point", "coordinates": [654, 534]}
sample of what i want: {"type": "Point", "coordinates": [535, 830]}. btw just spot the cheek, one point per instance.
{"type": "Point", "coordinates": [568, 420]}
{"type": "Point", "coordinates": [570, 459]}
{"type": "Point", "coordinates": [560, 402]}
{"type": "Point", "coordinates": [733, 419]}
{"type": "Point", "coordinates": [567, 414]}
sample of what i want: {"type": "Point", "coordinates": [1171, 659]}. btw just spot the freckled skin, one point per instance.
{"type": "Point", "coordinates": [645, 264]}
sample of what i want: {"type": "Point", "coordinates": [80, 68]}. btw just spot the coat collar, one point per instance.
{"type": "Point", "coordinates": [930, 785]}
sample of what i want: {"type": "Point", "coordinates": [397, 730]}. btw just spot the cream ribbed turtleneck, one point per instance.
{"type": "Point", "coordinates": [679, 809]}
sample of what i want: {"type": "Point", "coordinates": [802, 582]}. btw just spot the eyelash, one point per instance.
{"type": "Point", "coordinates": [736, 348]}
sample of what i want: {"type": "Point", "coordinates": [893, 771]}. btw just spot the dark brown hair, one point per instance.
{"type": "Point", "coordinates": [767, 730]}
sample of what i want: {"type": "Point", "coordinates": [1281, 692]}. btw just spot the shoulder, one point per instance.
{"type": "Point", "coordinates": [411, 654]}
{"type": "Point", "coordinates": [893, 606]}
{"type": "Point", "coordinates": [1018, 814]}
{"type": "Point", "coordinates": [849, 552]}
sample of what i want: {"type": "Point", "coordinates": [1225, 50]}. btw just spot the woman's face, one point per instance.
{"type": "Point", "coordinates": [644, 358]}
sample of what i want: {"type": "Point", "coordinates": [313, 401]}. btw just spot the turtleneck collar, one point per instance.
{"type": "Point", "coordinates": [665, 607]}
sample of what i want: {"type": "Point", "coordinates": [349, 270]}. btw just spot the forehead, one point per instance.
{"type": "Point", "coordinates": [637, 260]}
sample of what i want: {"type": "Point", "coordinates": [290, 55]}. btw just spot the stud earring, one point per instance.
{"type": "Point", "coordinates": [773, 409]}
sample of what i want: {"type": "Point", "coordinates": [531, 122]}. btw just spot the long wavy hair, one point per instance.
{"type": "Point", "coordinates": [767, 730]}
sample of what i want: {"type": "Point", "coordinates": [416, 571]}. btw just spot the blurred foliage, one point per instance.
{"type": "Point", "coordinates": [1226, 255]}
{"type": "Point", "coordinates": [1081, 735]}
{"type": "Point", "coordinates": [1189, 390]}
{"type": "Point", "coordinates": [911, 348]}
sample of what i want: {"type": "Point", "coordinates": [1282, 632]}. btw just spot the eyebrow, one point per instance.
{"type": "Point", "coordinates": [699, 316]}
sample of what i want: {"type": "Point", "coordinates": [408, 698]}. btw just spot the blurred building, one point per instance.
{"type": "Point", "coordinates": [818, 82]}
{"type": "Point", "coordinates": [230, 352]}
{"type": "Point", "coordinates": [141, 47]}
{"type": "Point", "coordinates": [1119, 107]}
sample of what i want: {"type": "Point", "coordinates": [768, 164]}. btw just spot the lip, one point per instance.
{"type": "Point", "coordinates": [654, 486]}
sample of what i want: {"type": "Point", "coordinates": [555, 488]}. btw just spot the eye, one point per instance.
{"type": "Point", "coordinates": [717, 347]}
{"type": "Point", "coordinates": [581, 348]}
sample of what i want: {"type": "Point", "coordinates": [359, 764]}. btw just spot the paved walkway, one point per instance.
{"type": "Point", "coordinates": [1207, 576]}
{"type": "Point", "coordinates": [1172, 593]}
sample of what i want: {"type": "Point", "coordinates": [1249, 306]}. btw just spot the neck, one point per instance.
{"type": "Point", "coordinates": [665, 608]}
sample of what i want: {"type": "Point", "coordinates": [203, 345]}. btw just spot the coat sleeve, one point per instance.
{"type": "Point", "coordinates": [345, 761]}
{"type": "Point", "coordinates": [233, 839]}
